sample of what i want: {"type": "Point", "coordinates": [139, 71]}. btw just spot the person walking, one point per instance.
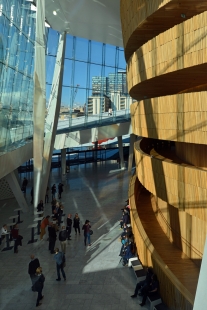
{"type": "Point", "coordinates": [52, 237]}
{"type": "Point", "coordinates": [62, 239]}
{"type": "Point", "coordinates": [38, 285]}
{"type": "Point", "coordinates": [86, 227]}
{"type": "Point", "coordinates": [33, 265]}
{"type": "Point", "coordinates": [69, 226]}
{"type": "Point", "coordinates": [59, 257]}
{"type": "Point", "coordinates": [76, 223]}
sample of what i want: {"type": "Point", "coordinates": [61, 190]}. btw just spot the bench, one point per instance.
{"type": "Point", "coordinates": [161, 307]}
{"type": "Point", "coordinates": [154, 300]}
{"type": "Point", "coordinates": [130, 261]}
{"type": "Point", "coordinates": [140, 274]}
{"type": "Point", "coordinates": [136, 265]}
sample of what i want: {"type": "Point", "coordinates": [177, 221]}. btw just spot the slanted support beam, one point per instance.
{"type": "Point", "coordinates": [53, 113]}
{"type": "Point", "coordinates": [39, 104]}
{"type": "Point", "coordinates": [13, 182]}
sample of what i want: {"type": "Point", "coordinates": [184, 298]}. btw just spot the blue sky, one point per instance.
{"type": "Point", "coordinates": [80, 71]}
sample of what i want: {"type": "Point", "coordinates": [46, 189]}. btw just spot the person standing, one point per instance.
{"type": "Point", "coordinates": [52, 237]}
{"type": "Point", "coordinates": [33, 265]}
{"type": "Point", "coordinates": [38, 285]}
{"type": "Point", "coordinates": [40, 206]}
{"type": "Point", "coordinates": [4, 231]}
{"type": "Point", "coordinates": [59, 257]}
{"type": "Point", "coordinates": [60, 190]}
{"type": "Point", "coordinates": [86, 227]}
{"type": "Point", "coordinates": [15, 237]}
{"type": "Point", "coordinates": [62, 239]}
{"type": "Point", "coordinates": [69, 226]}
{"type": "Point", "coordinates": [76, 223]}
{"type": "Point", "coordinates": [44, 224]}
{"type": "Point", "coordinates": [47, 195]}
{"type": "Point", "coordinates": [24, 185]}
{"type": "Point", "coordinates": [53, 191]}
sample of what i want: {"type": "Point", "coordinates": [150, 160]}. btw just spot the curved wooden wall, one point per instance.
{"type": "Point", "coordinates": [166, 51]}
{"type": "Point", "coordinates": [142, 20]}
{"type": "Point", "coordinates": [193, 154]}
{"type": "Point", "coordinates": [180, 118]}
{"type": "Point", "coordinates": [182, 186]}
{"type": "Point", "coordinates": [170, 286]}
{"type": "Point", "coordinates": [181, 50]}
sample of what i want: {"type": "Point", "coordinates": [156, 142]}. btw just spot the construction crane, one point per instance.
{"type": "Point", "coordinates": [74, 94]}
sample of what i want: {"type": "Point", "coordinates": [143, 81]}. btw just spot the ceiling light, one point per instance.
{"type": "Point", "coordinates": [54, 13]}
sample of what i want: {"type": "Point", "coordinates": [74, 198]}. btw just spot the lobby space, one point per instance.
{"type": "Point", "coordinates": [95, 278]}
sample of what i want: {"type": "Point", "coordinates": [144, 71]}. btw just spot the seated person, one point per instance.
{"type": "Point", "coordinates": [4, 230]}
{"type": "Point", "coordinates": [127, 253]}
{"type": "Point", "coordinates": [142, 285]}
{"type": "Point", "coordinates": [121, 221]}
{"type": "Point", "coordinates": [151, 290]}
{"type": "Point", "coordinates": [126, 218]}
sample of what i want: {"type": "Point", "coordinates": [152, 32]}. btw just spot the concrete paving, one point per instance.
{"type": "Point", "coordinates": [95, 277]}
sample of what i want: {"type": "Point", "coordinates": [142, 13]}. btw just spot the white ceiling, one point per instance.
{"type": "Point", "coordinates": [97, 20]}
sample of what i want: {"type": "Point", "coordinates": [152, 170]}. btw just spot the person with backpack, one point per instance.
{"type": "Point", "coordinates": [59, 257]}
{"type": "Point", "coordinates": [38, 285]}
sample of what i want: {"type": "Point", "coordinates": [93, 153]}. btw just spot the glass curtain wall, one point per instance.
{"type": "Point", "coordinates": [94, 86]}
{"type": "Point", "coordinates": [17, 37]}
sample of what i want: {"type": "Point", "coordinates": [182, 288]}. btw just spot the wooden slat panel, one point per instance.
{"type": "Point", "coordinates": [171, 265]}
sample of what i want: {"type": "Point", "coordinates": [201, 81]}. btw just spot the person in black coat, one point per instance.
{"type": "Point", "coordinates": [38, 285]}
{"type": "Point", "coordinates": [143, 285]}
{"type": "Point", "coordinates": [151, 290]}
{"type": "Point", "coordinates": [52, 238]}
{"type": "Point", "coordinates": [69, 226]}
{"type": "Point", "coordinates": [76, 223]}
{"type": "Point", "coordinates": [60, 190]}
{"type": "Point", "coordinates": [33, 265]}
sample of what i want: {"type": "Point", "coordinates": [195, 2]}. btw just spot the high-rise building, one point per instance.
{"type": "Point", "coordinates": [117, 83]}
{"type": "Point", "coordinates": [100, 85]}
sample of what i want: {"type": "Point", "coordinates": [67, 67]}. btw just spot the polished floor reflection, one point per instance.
{"type": "Point", "coordinates": [95, 279]}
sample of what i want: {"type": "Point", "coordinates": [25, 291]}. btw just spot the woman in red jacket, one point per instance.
{"type": "Point", "coordinates": [15, 235]}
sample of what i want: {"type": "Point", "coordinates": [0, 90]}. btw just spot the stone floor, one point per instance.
{"type": "Point", "coordinates": [95, 278]}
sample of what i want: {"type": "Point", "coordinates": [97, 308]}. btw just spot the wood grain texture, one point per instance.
{"type": "Point", "coordinates": [142, 20]}
{"type": "Point", "coordinates": [169, 263]}
{"type": "Point", "coordinates": [182, 186]}
{"type": "Point", "coordinates": [170, 59]}
{"type": "Point", "coordinates": [181, 118]}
